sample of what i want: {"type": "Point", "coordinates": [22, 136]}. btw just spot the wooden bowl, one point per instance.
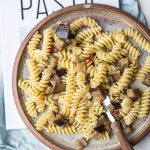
{"type": "Point", "coordinates": [109, 18]}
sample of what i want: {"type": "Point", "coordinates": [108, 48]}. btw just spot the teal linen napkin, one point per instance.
{"type": "Point", "coordinates": [22, 139]}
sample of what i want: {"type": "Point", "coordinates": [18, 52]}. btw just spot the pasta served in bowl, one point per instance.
{"type": "Point", "coordinates": [71, 66]}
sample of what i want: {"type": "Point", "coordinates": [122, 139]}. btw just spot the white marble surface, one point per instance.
{"type": "Point", "coordinates": [145, 6]}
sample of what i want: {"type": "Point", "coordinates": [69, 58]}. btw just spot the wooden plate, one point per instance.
{"type": "Point", "coordinates": [109, 18]}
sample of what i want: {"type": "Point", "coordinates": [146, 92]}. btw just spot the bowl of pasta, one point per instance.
{"type": "Point", "coordinates": [68, 61]}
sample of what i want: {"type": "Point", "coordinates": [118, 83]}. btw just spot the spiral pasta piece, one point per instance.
{"type": "Point", "coordinates": [61, 130]}
{"type": "Point", "coordinates": [82, 113]}
{"type": "Point", "coordinates": [45, 117]}
{"type": "Point", "coordinates": [31, 108]}
{"type": "Point", "coordinates": [44, 82]}
{"type": "Point", "coordinates": [79, 93]}
{"type": "Point", "coordinates": [88, 50]}
{"type": "Point", "coordinates": [64, 110]}
{"type": "Point", "coordinates": [87, 32]}
{"type": "Point", "coordinates": [89, 22]}
{"type": "Point", "coordinates": [81, 22]}
{"type": "Point", "coordinates": [80, 79]}
{"type": "Point", "coordinates": [34, 71]}
{"type": "Point", "coordinates": [42, 64]}
{"type": "Point", "coordinates": [90, 68]}
{"type": "Point", "coordinates": [124, 81]}
{"type": "Point", "coordinates": [33, 44]}
{"type": "Point", "coordinates": [145, 70]}
{"type": "Point", "coordinates": [100, 75]}
{"type": "Point", "coordinates": [96, 60]}
{"type": "Point", "coordinates": [126, 106]}
{"type": "Point", "coordinates": [47, 42]}
{"type": "Point", "coordinates": [93, 118]}
{"type": "Point", "coordinates": [64, 59]}
{"type": "Point", "coordinates": [112, 56]}
{"type": "Point", "coordinates": [41, 122]}
{"type": "Point", "coordinates": [76, 99]}
{"type": "Point", "coordinates": [51, 104]}
{"type": "Point", "coordinates": [40, 106]}
{"type": "Point", "coordinates": [135, 53]}
{"type": "Point", "coordinates": [78, 126]}
{"type": "Point", "coordinates": [70, 89]}
{"type": "Point", "coordinates": [36, 55]}
{"type": "Point", "coordinates": [139, 39]}
{"type": "Point", "coordinates": [88, 131]}
{"type": "Point", "coordinates": [118, 36]}
{"type": "Point", "coordinates": [145, 104]}
{"type": "Point", "coordinates": [104, 40]}
{"type": "Point", "coordinates": [132, 115]}
{"type": "Point", "coordinates": [24, 84]}
{"type": "Point", "coordinates": [77, 24]}
{"type": "Point", "coordinates": [87, 41]}
{"type": "Point", "coordinates": [98, 108]}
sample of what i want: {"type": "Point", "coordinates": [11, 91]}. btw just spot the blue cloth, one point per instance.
{"type": "Point", "coordinates": [22, 139]}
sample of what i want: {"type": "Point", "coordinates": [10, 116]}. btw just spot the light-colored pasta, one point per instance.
{"type": "Point", "coordinates": [124, 81]}
{"type": "Point", "coordinates": [132, 115]}
{"type": "Point", "coordinates": [100, 75]}
{"type": "Point", "coordinates": [24, 84]}
{"type": "Point", "coordinates": [70, 90]}
{"type": "Point", "coordinates": [41, 122]}
{"type": "Point", "coordinates": [96, 60]}
{"type": "Point", "coordinates": [88, 131]}
{"type": "Point", "coordinates": [87, 21]}
{"type": "Point", "coordinates": [42, 64]}
{"type": "Point", "coordinates": [40, 105]}
{"type": "Point", "coordinates": [135, 53]}
{"type": "Point", "coordinates": [112, 56]}
{"type": "Point", "coordinates": [82, 113]}
{"type": "Point", "coordinates": [145, 70]}
{"type": "Point", "coordinates": [31, 107]}
{"type": "Point", "coordinates": [79, 93]}
{"type": "Point", "coordinates": [87, 32]}
{"type": "Point", "coordinates": [43, 83]}
{"type": "Point", "coordinates": [119, 36]}
{"type": "Point", "coordinates": [87, 41]}
{"type": "Point", "coordinates": [64, 110]}
{"type": "Point", "coordinates": [144, 104]}
{"type": "Point", "coordinates": [64, 59]}
{"type": "Point", "coordinates": [81, 22]}
{"type": "Point", "coordinates": [93, 118]}
{"type": "Point", "coordinates": [60, 130]}
{"type": "Point", "coordinates": [33, 69]}
{"type": "Point", "coordinates": [98, 108]}
{"type": "Point", "coordinates": [33, 44]}
{"type": "Point", "coordinates": [88, 50]}
{"type": "Point", "coordinates": [139, 39]}
{"type": "Point", "coordinates": [45, 117]}
{"type": "Point", "coordinates": [90, 68]}
{"type": "Point", "coordinates": [104, 40]}
{"type": "Point", "coordinates": [126, 105]}
{"type": "Point", "coordinates": [67, 78]}
{"type": "Point", "coordinates": [47, 43]}
{"type": "Point", "coordinates": [78, 126]}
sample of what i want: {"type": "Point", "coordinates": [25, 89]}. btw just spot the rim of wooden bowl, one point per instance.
{"type": "Point", "coordinates": [28, 37]}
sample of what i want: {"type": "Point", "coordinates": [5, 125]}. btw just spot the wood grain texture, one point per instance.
{"type": "Point", "coordinates": [125, 144]}
{"type": "Point", "coordinates": [22, 50]}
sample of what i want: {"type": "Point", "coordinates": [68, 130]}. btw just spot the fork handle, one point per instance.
{"type": "Point", "coordinates": [125, 144]}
